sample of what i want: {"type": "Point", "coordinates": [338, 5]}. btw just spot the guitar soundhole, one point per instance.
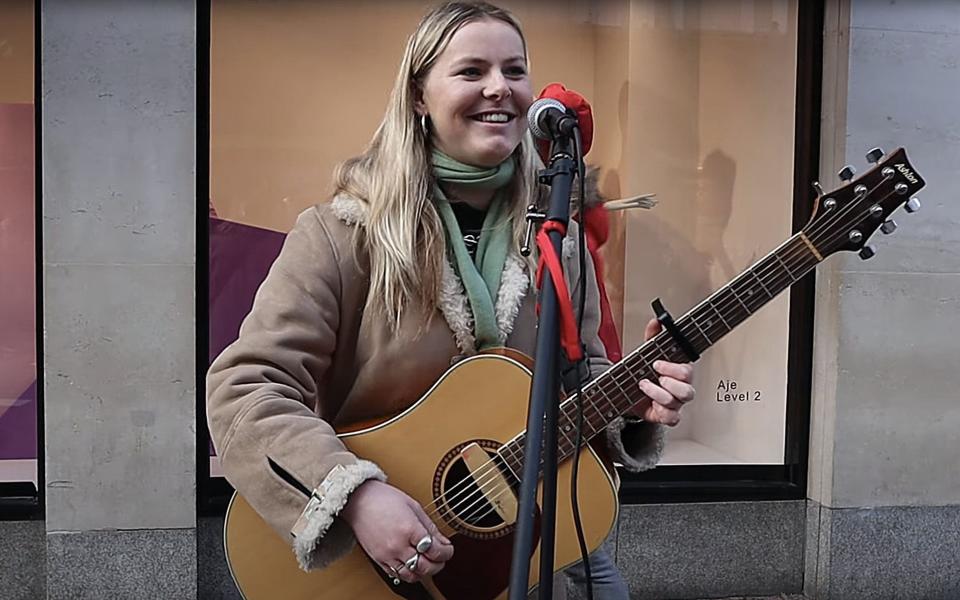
{"type": "Point", "coordinates": [466, 500]}
{"type": "Point", "coordinates": [466, 497]}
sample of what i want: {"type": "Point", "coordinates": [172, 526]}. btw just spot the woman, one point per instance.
{"type": "Point", "coordinates": [413, 265]}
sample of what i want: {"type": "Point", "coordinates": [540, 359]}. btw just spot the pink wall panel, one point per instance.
{"type": "Point", "coordinates": [18, 369]}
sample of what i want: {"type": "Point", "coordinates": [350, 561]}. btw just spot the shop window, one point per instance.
{"type": "Point", "coordinates": [694, 101]}
{"type": "Point", "coordinates": [18, 254]}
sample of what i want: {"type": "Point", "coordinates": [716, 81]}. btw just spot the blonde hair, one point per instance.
{"type": "Point", "coordinates": [404, 236]}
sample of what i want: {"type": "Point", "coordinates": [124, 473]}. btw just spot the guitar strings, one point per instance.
{"type": "Point", "coordinates": [763, 274]}
{"type": "Point", "coordinates": [815, 233]}
{"type": "Point", "coordinates": [826, 224]}
{"type": "Point", "coordinates": [484, 481]}
{"type": "Point", "coordinates": [487, 472]}
{"type": "Point", "coordinates": [802, 250]}
{"type": "Point", "coordinates": [483, 496]}
{"type": "Point", "coordinates": [789, 257]}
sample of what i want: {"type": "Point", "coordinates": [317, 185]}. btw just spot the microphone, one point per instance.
{"type": "Point", "coordinates": [560, 109]}
{"type": "Point", "coordinates": [548, 119]}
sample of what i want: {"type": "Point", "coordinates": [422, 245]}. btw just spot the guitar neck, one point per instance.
{"type": "Point", "coordinates": [613, 393]}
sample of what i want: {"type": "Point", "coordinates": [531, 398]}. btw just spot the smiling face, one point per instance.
{"type": "Point", "coordinates": [477, 94]}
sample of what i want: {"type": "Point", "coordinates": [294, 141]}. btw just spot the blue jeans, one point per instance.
{"type": "Point", "coordinates": [607, 582]}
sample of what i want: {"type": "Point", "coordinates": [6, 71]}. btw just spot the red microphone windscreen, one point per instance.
{"type": "Point", "coordinates": [579, 105]}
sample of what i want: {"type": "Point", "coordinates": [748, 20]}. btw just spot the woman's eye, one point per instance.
{"type": "Point", "coordinates": [471, 72]}
{"type": "Point", "coordinates": [517, 71]}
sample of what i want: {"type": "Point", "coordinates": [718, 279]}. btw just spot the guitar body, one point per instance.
{"type": "Point", "coordinates": [482, 399]}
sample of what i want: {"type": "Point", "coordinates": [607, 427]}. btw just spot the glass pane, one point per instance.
{"type": "Point", "coordinates": [18, 365]}
{"type": "Point", "coordinates": [706, 117]}
{"type": "Point", "coordinates": [693, 101]}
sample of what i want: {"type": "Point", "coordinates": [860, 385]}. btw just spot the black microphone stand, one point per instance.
{"type": "Point", "coordinates": [544, 399]}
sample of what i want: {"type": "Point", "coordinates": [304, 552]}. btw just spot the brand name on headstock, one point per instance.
{"type": "Point", "coordinates": [906, 172]}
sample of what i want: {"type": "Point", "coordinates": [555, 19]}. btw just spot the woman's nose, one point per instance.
{"type": "Point", "coordinates": [497, 86]}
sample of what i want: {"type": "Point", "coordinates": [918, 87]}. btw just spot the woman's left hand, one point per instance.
{"type": "Point", "coordinates": [663, 402]}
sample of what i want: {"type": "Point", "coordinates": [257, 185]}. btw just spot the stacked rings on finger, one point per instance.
{"type": "Point", "coordinates": [411, 563]}
{"type": "Point", "coordinates": [424, 544]}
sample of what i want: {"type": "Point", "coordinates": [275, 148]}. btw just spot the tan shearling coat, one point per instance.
{"type": "Point", "coordinates": [311, 358]}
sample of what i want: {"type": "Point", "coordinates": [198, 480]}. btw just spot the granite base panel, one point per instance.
{"type": "Point", "coordinates": [22, 560]}
{"type": "Point", "coordinates": [751, 550]}
{"type": "Point", "coordinates": [712, 550]}
{"type": "Point", "coordinates": [884, 553]}
{"type": "Point", "coordinates": [213, 575]}
{"type": "Point", "coordinates": [771, 532]}
{"type": "Point", "coordinates": [135, 564]}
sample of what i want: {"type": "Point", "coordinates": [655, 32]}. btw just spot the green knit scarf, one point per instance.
{"type": "Point", "coordinates": [480, 276]}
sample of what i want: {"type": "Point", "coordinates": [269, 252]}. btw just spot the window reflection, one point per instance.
{"type": "Point", "coordinates": [693, 101]}
{"type": "Point", "coordinates": [18, 367]}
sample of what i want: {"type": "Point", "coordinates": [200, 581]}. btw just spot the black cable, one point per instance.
{"type": "Point", "coordinates": [578, 439]}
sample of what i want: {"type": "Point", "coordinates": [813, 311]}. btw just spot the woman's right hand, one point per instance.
{"type": "Point", "coordinates": [388, 524]}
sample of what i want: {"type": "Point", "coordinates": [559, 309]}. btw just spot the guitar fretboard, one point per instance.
{"type": "Point", "coordinates": [613, 393]}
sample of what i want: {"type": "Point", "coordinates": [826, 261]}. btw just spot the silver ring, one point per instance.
{"type": "Point", "coordinates": [396, 574]}
{"type": "Point", "coordinates": [424, 544]}
{"type": "Point", "coordinates": [411, 563]}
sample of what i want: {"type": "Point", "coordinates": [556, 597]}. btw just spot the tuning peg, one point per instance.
{"type": "Point", "coordinates": [867, 252]}
{"type": "Point", "coordinates": [847, 173]}
{"type": "Point", "coordinates": [888, 226]}
{"type": "Point", "coordinates": [817, 188]}
{"type": "Point", "coordinates": [874, 155]}
{"type": "Point", "coordinates": [912, 205]}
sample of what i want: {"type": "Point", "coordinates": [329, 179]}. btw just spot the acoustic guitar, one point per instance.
{"type": "Point", "coordinates": [469, 427]}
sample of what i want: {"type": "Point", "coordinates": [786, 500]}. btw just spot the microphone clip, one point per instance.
{"type": "Point", "coordinates": [534, 217]}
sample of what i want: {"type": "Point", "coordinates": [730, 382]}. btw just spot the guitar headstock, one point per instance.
{"type": "Point", "coordinates": [845, 218]}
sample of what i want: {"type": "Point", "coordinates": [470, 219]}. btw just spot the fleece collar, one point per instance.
{"type": "Point", "coordinates": [453, 303]}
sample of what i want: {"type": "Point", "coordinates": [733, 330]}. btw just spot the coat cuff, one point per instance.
{"type": "Point", "coordinates": [319, 538]}
{"type": "Point", "coordinates": [636, 445]}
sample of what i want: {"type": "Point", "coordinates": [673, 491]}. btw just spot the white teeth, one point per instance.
{"type": "Point", "coordinates": [494, 117]}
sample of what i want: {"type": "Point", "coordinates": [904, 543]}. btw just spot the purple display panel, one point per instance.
{"type": "Point", "coordinates": [18, 356]}
{"type": "Point", "coordinates": [240, 256]}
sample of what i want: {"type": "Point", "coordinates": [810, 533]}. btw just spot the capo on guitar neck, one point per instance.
{"type": "Point", "coordinates": [667, 321]}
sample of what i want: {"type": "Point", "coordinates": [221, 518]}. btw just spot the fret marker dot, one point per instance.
{"type": "Point", "coordinates": [609, 413]}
